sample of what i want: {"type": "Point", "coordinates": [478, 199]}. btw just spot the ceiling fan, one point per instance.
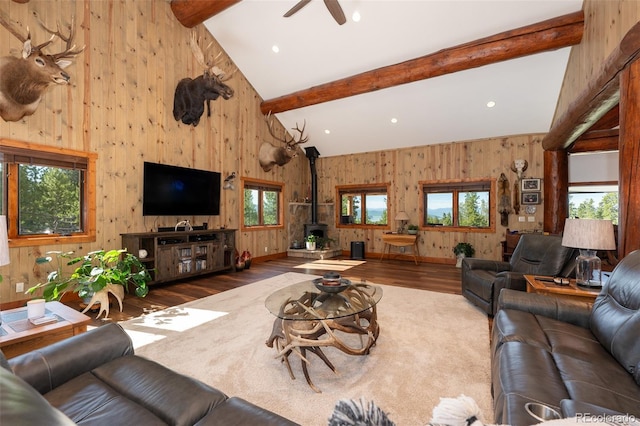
{"type": "Point", "coordinates": [332, 5]}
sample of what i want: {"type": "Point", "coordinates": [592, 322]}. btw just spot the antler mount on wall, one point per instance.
{"type": "Point", "coordinates": [192, 94]}
{"type": "Point", "coordinates": [24, 80]}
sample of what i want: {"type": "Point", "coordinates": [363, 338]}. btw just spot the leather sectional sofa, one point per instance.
{"type": "Point", "coordinates": [95, 378]}
{"type": "Point", "coordinates": [581, 359]}
{"type": "Point", "coordinates": [535, 254]}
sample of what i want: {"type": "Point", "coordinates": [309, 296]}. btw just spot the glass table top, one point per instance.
{"type": "Point", "coordinates": [305, 302]}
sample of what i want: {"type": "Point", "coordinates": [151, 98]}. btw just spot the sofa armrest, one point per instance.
{"type": "Point", "coordinates": [22, 405]}
{"type": "Point", "coordinates": [51, 366]}
{"type": "Point", "coordinates": [471, 263]}
{"type": "Point", "coordinates": [566, 310]}
{"type": "Point", "coordinates": [510, 280]}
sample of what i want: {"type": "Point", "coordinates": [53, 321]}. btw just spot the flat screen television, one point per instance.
{"type": "Point", "coordinates": [180, 191]}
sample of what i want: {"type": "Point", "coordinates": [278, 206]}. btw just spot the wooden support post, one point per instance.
{"type": "Point", "coordinates": [598, 98]}
{"type": "Point", "coordinates": [556, 191]}
{"type": "Point", "coordinates": [629, 174]}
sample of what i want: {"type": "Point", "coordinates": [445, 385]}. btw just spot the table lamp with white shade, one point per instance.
{"type": "Point", "coordinates": [401, 217]}
{"type": "Point", "coordinates": [4, 247]}
{"type": "Point", "coordinates": [588, 235]}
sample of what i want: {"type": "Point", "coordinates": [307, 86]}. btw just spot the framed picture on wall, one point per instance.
{"type": "Point", "coordinates": [529, 198]}
{"type": "Point", "coordinates": [531, 185]}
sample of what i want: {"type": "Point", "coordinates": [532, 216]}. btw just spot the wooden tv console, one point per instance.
{"type": "Point", "coordinates": [183, 254]}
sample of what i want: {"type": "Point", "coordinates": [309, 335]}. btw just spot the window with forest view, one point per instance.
{"type": "Point", "coordinates": [45, 192]}
{"type": "Point", "coordinates": [594, 202]}
{"type": "Point", "coordinates": [262, 203]}
{"type": "Point", "coordinates": [363, 205]}
{"type": "Point", "coordinates": [464, 204]}
{"type": "Point", "coordinates": [49, 200]}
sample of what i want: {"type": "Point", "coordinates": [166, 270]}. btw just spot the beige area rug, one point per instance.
{"type": "Point", "coordinates": [431, 345]}
{"type": "Point", "coordinates": [331, 264]}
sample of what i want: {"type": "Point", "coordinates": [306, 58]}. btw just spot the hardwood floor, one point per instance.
{"type": "Point", "coordinates": [426, 276]}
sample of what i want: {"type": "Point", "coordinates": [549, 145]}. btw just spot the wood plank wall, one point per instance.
{"type": "Point", "coordinates": [120, 102]}
{"type": "Point", "coordinates": [405, 168]}
{"type": "Point", "coordinates": [119, 105]}
{"type": "Point", "coordinates": [606, 22]}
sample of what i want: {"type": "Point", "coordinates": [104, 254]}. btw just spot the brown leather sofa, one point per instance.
{"type": "Point", "coordinates": [535, 254]}
{"type": "Point", "coordinates": [579, 358]}
{"type": "Point", "coordinates": [95, 378]}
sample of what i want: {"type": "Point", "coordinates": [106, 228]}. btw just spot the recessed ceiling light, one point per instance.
{"type": "Point", "coordinates": [491, 104]}
{"type": "Point", "coordinates": [275, 48]}
{"type": "Point", "coordinates": [356, 16]}
{"type": "Point", "coordinates": [394, 120]}
{"type": "Point", "coordinates": [327, 131]}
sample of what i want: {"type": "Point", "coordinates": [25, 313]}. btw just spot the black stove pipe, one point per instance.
{"type": "Point", "coordinates": [312, 153]}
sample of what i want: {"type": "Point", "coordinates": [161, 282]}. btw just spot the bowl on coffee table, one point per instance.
{"type": "Point", "coordinates": [331, 282]}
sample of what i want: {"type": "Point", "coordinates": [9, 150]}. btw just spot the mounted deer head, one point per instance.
{"type": "Point", "coordinates": [270, 155]}
{"type": "Point", "coordinates": [23, 81]}
{"type": "Point", "coordinates": [191, 94]}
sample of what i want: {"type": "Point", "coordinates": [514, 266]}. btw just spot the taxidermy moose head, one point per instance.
{"type": "Point", "coordinates": [191, 94]}
{"type": "Point", "coordinates": [24, 80]}
{"type": "Point", "coordinates": [270, 155]}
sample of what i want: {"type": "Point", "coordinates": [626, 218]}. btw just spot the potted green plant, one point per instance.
{"type": "Point", "coordinates": [323, 243]}
{"type": "Point", "coordinates": [412, 229]}
{"type": "Point", "coordinates": [94, 276]}
{"type": "Point", "coordinates": [311, 242]}
{"type": "Point", "coordinates": [462, 250]}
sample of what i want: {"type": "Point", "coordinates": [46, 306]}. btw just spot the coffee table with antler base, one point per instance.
{"type": "Point", "coordinates": [309, 319]}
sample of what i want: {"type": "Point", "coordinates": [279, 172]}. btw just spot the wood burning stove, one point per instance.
{"type": "Point", "coordinates": [314, 228]}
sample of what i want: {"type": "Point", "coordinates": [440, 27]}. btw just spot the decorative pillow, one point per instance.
{"type": "Point", "coordinates": [348, 412]}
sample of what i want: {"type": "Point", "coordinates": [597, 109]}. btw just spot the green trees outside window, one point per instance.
{"type": "Point", "coordinates": [49, 200]}
{"type": "Point", "coordinates": [594, 205]}
{"type": "Point", "coordinates": [364, 205]}
{"type": "Point", "coordinates": [47, 191]}
{"type": "Point", "coordinates": [262, 204]}
{"type": "Point", "coordinates": [463, 204]}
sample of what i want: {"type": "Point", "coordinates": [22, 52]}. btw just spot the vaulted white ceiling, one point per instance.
{"type": "Point", "coordinates": [314, 49]}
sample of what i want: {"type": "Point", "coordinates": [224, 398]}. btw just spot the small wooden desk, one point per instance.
{"type": "Point", "coordinates": [19, 336]}
{"type": "Point", "coordinates": [400, 240]}
{"type": "Point", "coordinates": [571, 291]}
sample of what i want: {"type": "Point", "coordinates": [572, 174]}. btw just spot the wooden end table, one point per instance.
{"type": "Point", "coordinates": [18, 335]}
{"type": "Point", "coordinates": [570, 291]}
{"type": "Point", "coordinates": [400, 240]}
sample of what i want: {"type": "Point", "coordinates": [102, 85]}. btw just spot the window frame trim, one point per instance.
{"type": "Point", "coordinates": [470, 181]}
{"type": "Point", "coordinates": [88, 207]}
{"type": "Point", "coordinates": [280, 186]}
{"type": "Point", "coordinates": [363, 189]}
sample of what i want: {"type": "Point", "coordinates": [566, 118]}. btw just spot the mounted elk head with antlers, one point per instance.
{"type": "Point", "coordinates": [191, 94]}
{"type": "Point", "coordinates": [270, 155]}
{"type": "Point", "coordinates": [23, 81]}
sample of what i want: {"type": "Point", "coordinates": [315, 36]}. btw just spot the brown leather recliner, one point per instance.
{"type": "Point", "coordinates": [581, 359]}
{"type": "Point", "coordinates": [535, 254]}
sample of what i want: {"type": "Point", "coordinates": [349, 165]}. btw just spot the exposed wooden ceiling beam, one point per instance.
{"type": "Point", "coordinates": [597, 140]}
{"type": "Point", "coordinates": [600, 96]}
{"type": "Point", "coordinates": [543, 36]}
{"type": "Point", "coordinates": [193, 12]}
